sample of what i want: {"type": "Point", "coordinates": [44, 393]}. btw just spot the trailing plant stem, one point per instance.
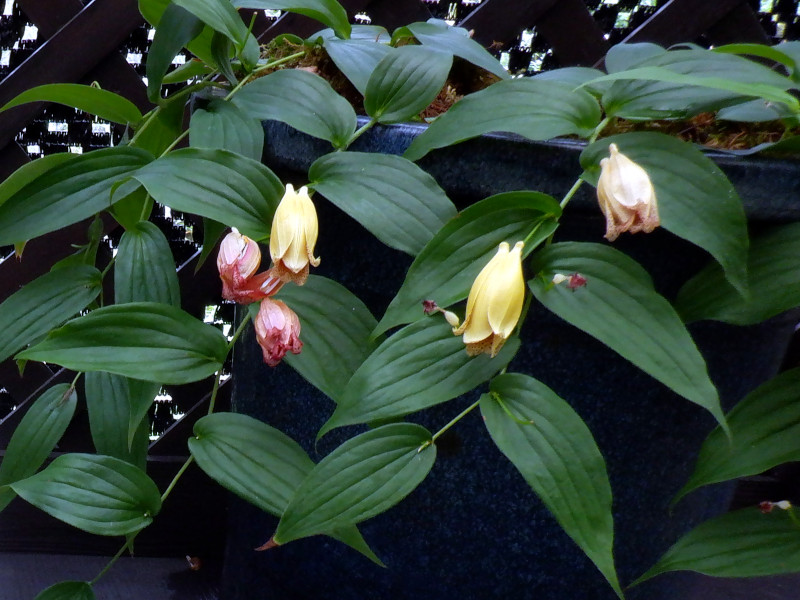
{"type": "Point", "coordinates": [579, 182]}
{"type": "Point", "coordinates": [110, 563]}
{"type": "Point", "coordinates": [175, 479]}
{"type": "Point", "coordinates": [175, 142]}
{"type": "Point", "coordinates": [358, 133]}
{"type": "Point", "coordinates": [269, 65]}
{"type": "Point", "coordinates": [458, 417]}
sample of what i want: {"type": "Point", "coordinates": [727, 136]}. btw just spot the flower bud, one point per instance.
{"type": "Point", "coordinates": [494, 303]}
{"type": "Point", "coordinates": [626, 196]}
{"type": "Point", "coordinates": [294, 234]}
{"type": "Point", "coordinates": [277, 331]}
{"type": "Point", "coordinates": [239, 257]}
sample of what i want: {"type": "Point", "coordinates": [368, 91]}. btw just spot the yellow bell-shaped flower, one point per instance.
{"type": "Point", "coordinates": [494, 303]}
{"type": "Point", "coordinates": [294, 235]}
{"type": "Point", "coordinates": [626, 196]}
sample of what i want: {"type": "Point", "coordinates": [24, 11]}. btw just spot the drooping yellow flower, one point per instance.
{"type": "Point", "coordinates": [494, 303]}
{"type": "Point", "coordinates": [294, 234]}
{"type": "Point", "coordinates": [626, 196]}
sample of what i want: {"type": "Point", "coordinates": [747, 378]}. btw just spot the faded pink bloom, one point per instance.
{"type": "Point", "coordinates": [238, 259]}
{"type": "Point", "coordinates": [277, 331]}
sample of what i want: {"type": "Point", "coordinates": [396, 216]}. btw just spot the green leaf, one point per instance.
{"type": "Point", "coordinates": [106, 105]}
{"type": "Point", "coordinates": [98, 494]}
{"type": "Point", "coordinates": [142, 340]}
{"type": "Point", "coordinates": [773, 269]}
{"type": "Point", "coordinates": [259, 464]}
{"type": "Point", "coordinates": [772, 53]}
{"type": "Point", "coordinates": [764, 428]}
{"type": "Point", "coordinates": [116, 407]}
{"type": "Point", "coordinates": [532, 108]}
{"type": "Point", "coordinates": [212, 232]}
{"type": "Point", "coordinates": [744, 543]}
{"type": "Point", "coordinates": [404, 82]}
{"type": "Point", "coordinates": [392, 197]}
{"type": "Point", "coordinates": [626, 56]}
{"type": "Point", "coordinates": [145, 268]}
{"type": "Point", "coordinates": [216, 184]}
{"type": "Point", "coordinates": [45, 303]}
{"type": "Point", "coordinates": [133, 208]}
{"type": "Point", "coordinates": [222, 125]}
{"type": "Point", "coordinates": [558, 457]}
{"type": "Point", "coordinates": [329, 12]}
{"type": "Point", "coordinates": [336, 333]}
{"type": "Point", "coordinates": [376, 34]}
{"type": "Point", "coordinates": [220, 15]}
{"type": "Point", "coordinates": [684, 83]}
{"type": "Point", "coordinates": [357, 59]}
{"type": "Point", "coordinates": [301, 100]}
{"type": "Point", "coordinates": [446, 267]}
{"type": "Point", "coordinates": [36, 436]}
{"type": "Point", "coordinates": [176, 28]}
{"type": "Point", "coordinates": [153, 10]}
{"type": "Point", "coordinates": [69, 192]}
{"type": "Point", "coordinates": [438, 35]}
{"type": "Point", "coordinates": [420, 366]}
{"type": "Point", "coordinates": [363, 477]}
{"type": "Point", "coordinates": [189, 70]}
{"type": "Point", "coordinates": [29, 172]}
{"type": "Point", "coordinates": [67, 590]}
{"type": "Point", "coordinates": [222, 50]}
{"type": "Point", "coordinates": [164, 126]}
{"type": "Point", "coordinates": [619, 306]}
{"type": "Point", "coordinates": [696, 201]}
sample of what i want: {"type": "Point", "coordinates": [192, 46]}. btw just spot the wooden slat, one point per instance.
{"type": "Point", "coordinates": [572, 32]}
{"type": "Point", "coordinates": [681, 21]}
{"type": "Point", "coordinates": [502, 20]}
{"type": "Point", "coordinates": [110, 22]}
{"type": "Point", "coordinates": [392, 14]}
{"type": "Point", "coordinates": [739, 26]}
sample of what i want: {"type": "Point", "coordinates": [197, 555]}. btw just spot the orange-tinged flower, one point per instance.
{"type": "Point", "coordinates": [626, 196]}
{"type": "Point", "coordinates": [277, 331]}
{"type": "Point", "coordinates": [494, 303]}
{"type": "Point", "coordinates": [294, 235]}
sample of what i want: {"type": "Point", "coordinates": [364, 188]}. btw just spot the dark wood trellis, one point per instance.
{"type": "Point", "coordinates": [90, 35]}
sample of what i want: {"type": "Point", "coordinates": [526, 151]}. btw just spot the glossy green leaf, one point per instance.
{"type": "Point", "coordinates": [67, 590]}
{"type": "Point", "coordinates": [773, 270]}
{"type": "Point", "coordinates": [176, 28]}
{"type": "Point", "coordinates": [392, 197]}
{"type": "Point", "coordinates": [153, 10]}
{"type": "Point", "coordinates": [363, 477]}
{"type": "Point", "coordinates": [684, 83]}
{"type": "Point", "coordinates": [438, 35]}
{"type": "Point", "coordinates": [36, 436]}
{"type": "Point", "coordinates": [695, 199]}
{"type": "Point", "coordinates": [329, 12]}
{"type": "Point", "coordinates": [372, 33]}
{"type": "Point", "coordinates": [222, 50]}
{"type": "Point", "coordinates": [764, 430]}
{"type": "Point", "coordinates": [106, 105]}
{"type": "Point", "coordinates": [141, 340]}
{"type": "Point", "coordinates": [116, 407]}
{"type": "Point", "coordinates": [773, 53]}
{"type": "Point", "coordinates": [532, 108]}
{"type": "Point", "coordinates": [301, 100]}
{"type": "Point", "coordinates": [136, 206]}
{"type": "Point", "coordinates": [220, 15]}
{"type": "Point", "coordinates": [558, 457]}
{"type": "Point", "coordinates": [619, 306]}
{"type": "Point", "coordinates": [69, 192]}
{"type": "Point", "coordinates": [224, 126]}
{"type": "Point", "coordinates": [29, 172]}
{"type": "Point", "coordinates": [422, 365]}
{"type": "Point", "coordinates": [259, 464]}
{"type": "Point", "coordinates": [99, 494]}
{"type": "Point", "coordinates": [404, 82]}
{"type": "Point", "coordinates": [336, 328]}
{"type": "Point", "coordinates": [216, 184]}
{"type": "Point", "coordinates": [754, 111]}
{"type": "Point", "coordinates": [45, 303]}
{"type": "Point", "coordinates": [189, 70]}
{"type": "Point", "coordinates": [446, 267]}
{"type": "Point", "coordinates": [574, 76]}
{"type": "Point", "coordinates": [144, 270]}
{"type": "Point", "coordinates": [356, 58]}
{"type": "Point", "coordinates": [627, 56]}
{"type": "Point", "coordinates": [744, 543]}
{"type": "Point", "coordinates": [164, 127]}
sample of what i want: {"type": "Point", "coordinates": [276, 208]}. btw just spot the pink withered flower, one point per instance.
{"type": "Point", "coordinates": [277, 331]}
{"type": "Point", "coordinates": [238, 259]}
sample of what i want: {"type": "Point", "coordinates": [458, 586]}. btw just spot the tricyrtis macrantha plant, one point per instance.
{"type": "Point", "coordinates": [500, 254]}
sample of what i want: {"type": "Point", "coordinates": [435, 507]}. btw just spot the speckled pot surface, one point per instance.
{"type": "Point", "coordinates": [474, 529]}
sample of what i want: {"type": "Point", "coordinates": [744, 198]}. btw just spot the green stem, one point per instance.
{"type": "Point", "coordinates": [236, 334]}
{"type": "Point", "coordinates": [575, 187]}
{"type": "Point", "coordinates": [597, 130]}
{"type": "Point", "coordinates": [269, 65]}
{"type": "Point", "coordinates": [175, 479]}
{"type": "Point", "coordinates": [358, 133]}
{"type": "Point", "coordinates": [458, 417]}
{"type": "Point", "coordinates": [110, 563]}
{"type": "Point", "coordinates": [175, 142]}
{"type": "Point", "coordinates": [239, 330]}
